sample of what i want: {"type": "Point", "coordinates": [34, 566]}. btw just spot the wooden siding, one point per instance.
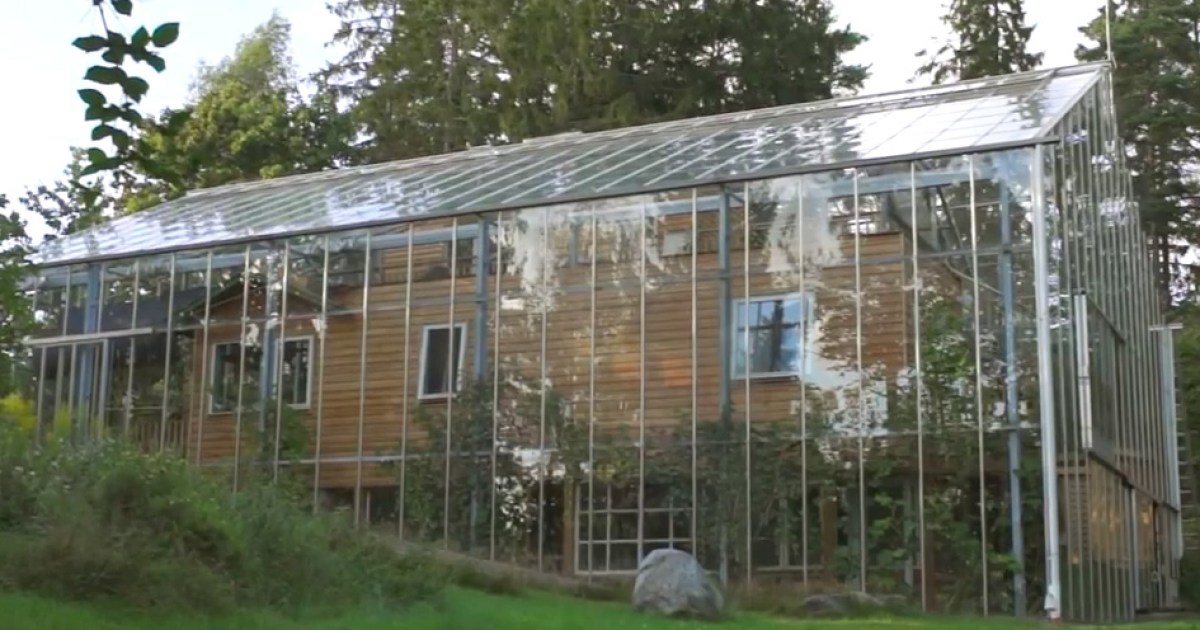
{"type": "Point", "coordinates": [617, 383]}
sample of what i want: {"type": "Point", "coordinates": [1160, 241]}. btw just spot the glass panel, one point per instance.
{"type": "Point", "coordinates": [144, 383]}
{"type": "Point", "coordinates": [623, 161]}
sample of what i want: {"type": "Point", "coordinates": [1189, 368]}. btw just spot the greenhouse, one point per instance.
{"type": "Point", "coordinates": [906, 344]}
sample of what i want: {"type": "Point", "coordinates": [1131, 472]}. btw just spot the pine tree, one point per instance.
{"type": "Point", "coordinates": [1157, 92]}
{"type": "Point", "coordinates": [988, 38]}
{"type": "Point", "coordinates": [419, 76]}
{"type": "Point", "coordinates": [425, 76]}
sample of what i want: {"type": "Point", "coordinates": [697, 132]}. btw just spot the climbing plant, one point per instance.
{"type": "Point", "coordinates": [743, 481]}
{"type": "Point", "coordinates": [115, 116]}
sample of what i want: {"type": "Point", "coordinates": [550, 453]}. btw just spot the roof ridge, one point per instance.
{"type": "Point", "coordinates": [655, 127]}
{"type": "Point", "coordinates": [970, 116]}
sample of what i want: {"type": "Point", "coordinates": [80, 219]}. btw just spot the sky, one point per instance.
{"type": "Point", "coordinates": [41, 116]}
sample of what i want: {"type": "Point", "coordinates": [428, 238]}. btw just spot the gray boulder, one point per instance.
{"type": "Point", "coordinates": [672, 583]}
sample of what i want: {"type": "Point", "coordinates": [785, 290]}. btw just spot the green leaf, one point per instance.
{"type": "Point", "coordinates": [124, 7]}
{"type": "Point", "coordinates": [121, 140]}
{"type": "Point", "coordinates": [130, 115]}
{"type": "Point", "coordinates": [92, 97]}
{"type": "Point", "coordinates": [155, 62]}
{"type": "Point", "coordinates": [102, 131]}
{"type": "Point", "coordinates": [91, 43]}
{"type": "Point", "coordinates": [95, 155]}
{"type": "Point", "coordinates": [93, 168]}
{"type": "Point", "coordinates": [114, 55]}
{"type": "Point", "coordinates": [135, 87]}
{"type": "Point", "coordinates": [106, 113]}
{"type": "Point", "coordinates": [105, 75]}
{"type": "Point", "coordinates": [166, 34]}
{"type": "Point", "coordinates": [141, 38]}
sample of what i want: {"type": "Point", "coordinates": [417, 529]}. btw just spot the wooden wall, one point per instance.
{"type": "Point", "coordinates": [394, 337]}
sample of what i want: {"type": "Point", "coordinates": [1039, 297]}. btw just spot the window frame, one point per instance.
{"type": "Point", "coordinates": [462, 355]}
{"type": "Point", "coordinates": [212, 375]}
{"type": "Point", "coordinates": [603, 527]}
{"type": "Point", "coordinates": [807, 317]}
{"type": "Point", "coordinates": [308, 382]}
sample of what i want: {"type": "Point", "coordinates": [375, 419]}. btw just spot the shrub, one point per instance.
{"type": "Point", "coordinates": [1189, 580]}
{"type": "Point", "coordinates": [103, 521]}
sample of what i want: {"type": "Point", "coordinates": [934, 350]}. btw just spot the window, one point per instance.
{"type": "Point", "coordinates": [297, 372]}
{"type": "Point", "coordinates": [776, 327]}
{"type": "Point", "coordinates": [441, 365]}
{"type": "Point", "coordinates": [226, 359]}
{"type": "Point", "coordinates": [296, 378]}
{"type": "Point", "coordinates": [676, 243]}
{"type": "Point", "coordinates": [606, 532]}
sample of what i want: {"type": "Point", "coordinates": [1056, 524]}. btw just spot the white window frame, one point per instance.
{"type": "Point", "coordinates": [807, 317]}
{"type": "Point", "coordinates": [212, 374]}
{"type": "Point", "coordinates": [308, 382]}
{"type": "Point", "coordinates": [462, 355]}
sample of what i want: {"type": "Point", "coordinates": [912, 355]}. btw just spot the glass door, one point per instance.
{"type": "Point", "coordinates": [73, 383]}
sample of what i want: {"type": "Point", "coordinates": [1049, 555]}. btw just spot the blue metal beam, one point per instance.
{"type": "Point", "coordinates": [1008, 300]}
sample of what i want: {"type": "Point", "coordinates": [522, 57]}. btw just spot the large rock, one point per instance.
{"type": "Point", "coordinates": [672, 583]}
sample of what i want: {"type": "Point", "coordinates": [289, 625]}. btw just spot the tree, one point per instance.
{"type": "Point", "coordinates": [417, 78]}
{"type": "Point", "coordinates": [1157, 92]}
{"type": "Point", "coordinates": [425, 76]}
{"type": "Point", "coordinates": [75, 202]}
{"type": "Point", "coordinates": [988, 38]}
{"type": "Point", "coordinates": [247, 120]}
{"type": "Point", "coordinates": [16, 313]}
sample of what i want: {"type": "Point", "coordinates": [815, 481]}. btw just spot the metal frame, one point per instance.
{"type": "Point", "coordinates": [663, 187]}
{"type": "Point", "coordinates": [1085, 264]}
{"type": "Point", "coordinates": [1052, 604]}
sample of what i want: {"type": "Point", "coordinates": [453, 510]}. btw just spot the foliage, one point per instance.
{"type": "Point", "coordinates": [468, 472]}
{"type": "Point", "coordinates": [795, 465]}
{"type": "Point", "coordinates": [101, 521]}
{"type": "Point", "coordinates": [440, 75]}
{"type": "Point", "coordinates": [988, 38]}
{"type": "Point", "coordinates": [1157, 92]}
{"type": "Point", "coordinates": [73, 203]}
{"type": "Point", "coordinates": [16, 317]}
{"type": "Point", "coordinates": [247, 120]}
{"type": "Point", "coordinates": [118, 121]}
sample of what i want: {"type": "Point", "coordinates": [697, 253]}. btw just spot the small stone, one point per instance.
{"type": "Point", "coordinates": [671, 583]}
{"type": "Point", "coordinates": [832, 604]}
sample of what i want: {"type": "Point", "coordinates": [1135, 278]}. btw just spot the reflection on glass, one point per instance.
{"type": "Point", "coordinates": [963, 117]}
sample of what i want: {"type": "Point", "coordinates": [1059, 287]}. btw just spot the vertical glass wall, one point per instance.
{"type": "Point", "coordinates": [1115, 438]}
{"type": "Point", "coordinates": [828, 380]}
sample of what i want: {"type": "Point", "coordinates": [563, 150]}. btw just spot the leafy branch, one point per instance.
{"type": "Point", "coordinates": [118, 121]}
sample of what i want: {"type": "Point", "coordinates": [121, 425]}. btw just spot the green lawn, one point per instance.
{"type": "Point", "coordinates": [457, 609]}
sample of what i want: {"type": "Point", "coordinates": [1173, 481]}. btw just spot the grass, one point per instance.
{"type": "Point", "coordinates": [457, 608]}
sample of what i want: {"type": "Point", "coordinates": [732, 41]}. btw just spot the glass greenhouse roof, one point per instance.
{"type": "Point", "coordinates": [963, 117]}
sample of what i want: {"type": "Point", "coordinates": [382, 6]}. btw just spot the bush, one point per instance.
{"type": "Point", "coordinates": [1189, 580]}
{"type": "Point", "coordinates": [105, 522]}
